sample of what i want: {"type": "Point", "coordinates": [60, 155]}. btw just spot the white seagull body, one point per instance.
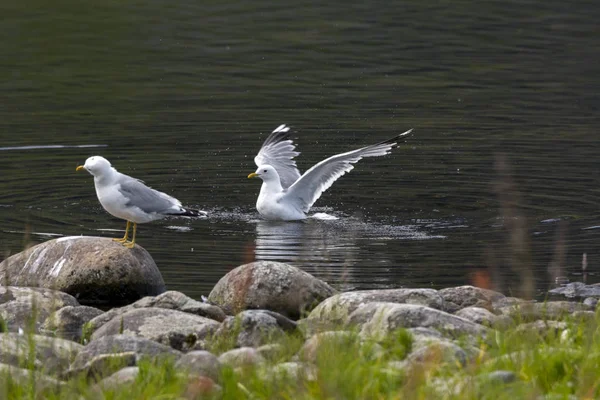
{"type": "Point", "coordinates": [128, 198]}
{"type": "Point", "coordinates": [287, 195]}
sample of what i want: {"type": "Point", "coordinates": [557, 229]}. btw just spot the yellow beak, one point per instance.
{"type": "Point", "coordinates": [79, 168]}
{"type": "Point", "coordinates": [253, 175]}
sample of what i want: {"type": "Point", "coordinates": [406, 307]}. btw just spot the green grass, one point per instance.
{"type": "Point", "coordinates": [555, 365]}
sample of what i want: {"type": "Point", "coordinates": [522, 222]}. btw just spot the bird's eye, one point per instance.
{"type": "Point", "coordinates": [264, 170]}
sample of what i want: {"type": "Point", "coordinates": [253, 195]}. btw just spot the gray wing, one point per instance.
{"type": "Point", "coordinates": [278, 151]}
{"type": "Point", "coordinates": [321, 176]}
{"type": "Point", "coordinates": [145, 198]}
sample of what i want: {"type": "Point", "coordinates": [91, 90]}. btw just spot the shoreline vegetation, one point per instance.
{"type": "Point", "coordinates": [272, 331]}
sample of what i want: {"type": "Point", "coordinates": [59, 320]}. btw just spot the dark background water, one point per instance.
{"type": "Point", "coordinates": [182, 93]}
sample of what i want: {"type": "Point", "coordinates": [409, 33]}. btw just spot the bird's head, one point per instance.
{"type": "Point", "coordinates": [96, 166]}
{"type": "Point", "coordinates": [265, 172]}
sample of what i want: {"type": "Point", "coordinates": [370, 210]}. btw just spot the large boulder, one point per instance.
{"type": "Point", "coordinates": [121, 344]}
{"type": "Point", "coordinates": [170, 300]}
{"type": "Point", "coordinates": [242, 357]}
{"type": "Point", "coordinates": [547, 310]}
{"type": "Point", "coordinates": [380, 319]}
{"type": "Point", "coordinates": [254, 328]}
{"type": "Point", "coordinates": [336, 309]}
{"type": "Point", "coordinates": [26, 378]}
{"type": "Point", "coordinates": [68, 322]}
{"type": "Point", "coordinates": [577, 290]}
{"type": "Point", "coordinates": [459, 297]}
{"type": "Point", "coordinates": [52, 355]}
{"type": "Point", "coordinates": [269, 285]}
{"type": "Point", "coordinates": [181, 331]}
{"type": "Point", "coordinates": [120, 378]}
{"type": "Point", "coordinates": [95, 270]}
{"type": "Point", "coordinates": [201, 362]}
{"type": "Point", "coordinates": [25, 308]}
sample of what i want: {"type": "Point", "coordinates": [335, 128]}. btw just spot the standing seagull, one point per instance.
{"type": "Point", "coordinates": [285, 195]}
{"type": "Point", "coordinates": [129, 199]}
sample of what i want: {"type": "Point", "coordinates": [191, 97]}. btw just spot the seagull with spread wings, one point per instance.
{"type": "Point", "coordinates": [287, 195]}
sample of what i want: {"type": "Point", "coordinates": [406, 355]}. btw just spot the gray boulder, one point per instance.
{"type": "Point", "coordinates": [68, 322]}
{"type": "Point", "coordinates": [548, 310]}
{"type": "Point", "coordinates": [294, 371]}
{"type": "Point", "coordinates": [336, 309]}
{"type": "Point", "coordinates": [103, 365]}
{"type": "Point", "coordinates": [26, 308]}
{"type": "Point", "coordinates": [95, 270]}
{"type": "Point", "coordinates": [380, 319]}
{"type": "Point", "coordinates": [272, 351]}
{"type": "Point", "coordinates": [269, 285]}
{"type": "Point", "coordinates": [483, 316]}
{"type": "Point", "coordinates": [576, 290]}
{"type": "Point", "coordinates": [467, 296]}
{"type": "Point", "coordinates": [52, 355]}
{"type": "Point", "coordinates": [170, 300]}
{"type": "Point", "coordinates": [439, 351]}
{"type": "Point", "coordinates": [122, 343]}
{"type": "Point", "coordinates": [201, 362]}
{"type": "Point", "coordinates": [542, 328]}
{"type": "Point", "coordinates": [181, 331]}
{"type": "Point", "coordinates": [256, 327]}
{"type": "Point", "coordinates": [26, 377]}
{"type": "Point", "coordinates": [242, 357]}
{"type": "Point", "coordinates": [120, 378]}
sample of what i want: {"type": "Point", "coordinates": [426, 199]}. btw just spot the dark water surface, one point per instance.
{"type": "Point", "coordinates": [182, 93]}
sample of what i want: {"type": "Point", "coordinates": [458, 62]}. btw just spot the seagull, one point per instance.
{"type": "Point", "coordinates": [128, 198]}
{"type": "Point", "coordinates": [285, 194]}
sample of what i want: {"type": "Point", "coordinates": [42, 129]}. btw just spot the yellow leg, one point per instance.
{"type": "Point", "coordinates": [131, 244]}
{"type": "Point", "coordinates": [124, 239]}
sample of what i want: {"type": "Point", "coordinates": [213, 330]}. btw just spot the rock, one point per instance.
{"type": "Point", "coordinates": [324, 343]}
{"type": "Point", "coordinates": [202, 363]}
{"type": "Point", "coordinates": [336, 309]}
{"type": "Point", "coordinates": [548, 310]}
{"type": "Point", "coordinates": [103, 365]}
{"type": "Point", "coordinates": [122, 343]}
{"type": "Point", "coordinates": [23, 377]}
{"type": "Point", "coordinates": [482, 316]}
{"type": "Point", "coordinates": [542, 327]}
{"type": "Point", "coordinates": [591, 301]}
{"type": "Point", "coordinates": [122, 377]}
{"type": "Point", "coordinates": [439, 351]}
{"type": "Point", "coordinates": [269, 285]}
{"type": "Point", "coordinates": [95, 270]}
{"type": "Point", "coordinates": [507, 301]}
{"type": "Point", "coordinates": [380, 319]}
{"type": "Point", "coordinates": [67, 323]}
{"type": "Point", "coordinates": [576, 290]}
{"type": "Point", "coordinates": [256, 327]}
{"type": "Point", "coordinates": [424, 333]}
{"type": "Point", "coordinates": [177, 329]}
{"type": "Point", "coordinates": [27, 308]}
{"type": "Point", "coordinates": [170, 300]}
{"type": "Point", "coordinates": [53, 355]}
{"type": "Point", "coordinates": [466, 296]}
{"type": "Point", "coordinates": [242, 357]}
{"type": "Point", "coordinates": [294, 371]}
{"type": "Point", "coordinates": [271, 351]}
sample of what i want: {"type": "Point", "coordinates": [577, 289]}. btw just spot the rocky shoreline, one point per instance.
{"type": "Point", "coordinates": [252, 306]}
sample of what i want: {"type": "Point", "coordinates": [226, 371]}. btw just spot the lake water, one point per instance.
{"type": "Point", "coordinates": [181, 94]}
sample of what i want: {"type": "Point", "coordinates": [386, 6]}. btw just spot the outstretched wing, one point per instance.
{"type": "Point", "coordinates": [278, 151]}
{"type": "Point", "coordinates": [306, 190]}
